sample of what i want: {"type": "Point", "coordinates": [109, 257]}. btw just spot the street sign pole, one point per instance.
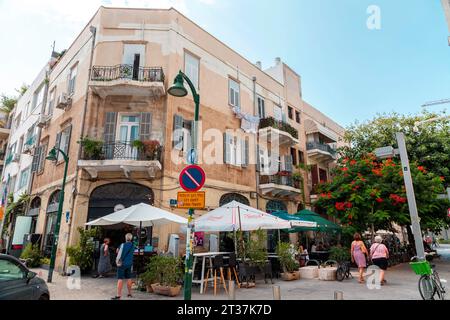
{"type": "Point", "coordinates": [415, 221]}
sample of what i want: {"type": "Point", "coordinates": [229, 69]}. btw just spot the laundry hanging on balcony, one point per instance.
{"type": "Point", "coordinates": [249, 123]}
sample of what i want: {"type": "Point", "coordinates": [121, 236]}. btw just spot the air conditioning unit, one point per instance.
{"type": "Point", "coordinates": [63, 101]}
{"type": "Point", "coordinates": [43, 120]}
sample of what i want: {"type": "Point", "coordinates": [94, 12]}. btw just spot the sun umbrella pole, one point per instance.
{"type": "Point", "coordinates": [240, 228]}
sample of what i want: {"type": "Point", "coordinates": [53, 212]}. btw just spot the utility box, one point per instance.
{"type": "Point", "coordinates": [174, 243]}
{"type": "Point", "coordinates": [213, 243]}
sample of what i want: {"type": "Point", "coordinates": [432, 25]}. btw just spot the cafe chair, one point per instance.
{"type": "Point", "coordinates": [217, 267]}
{"type": "Point", "coordinates": [231, 268]}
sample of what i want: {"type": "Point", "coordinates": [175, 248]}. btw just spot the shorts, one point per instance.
{"type": "Point", "coordinates": [381, 263]}
{"type": "Point", "coordinates": [124, 273]}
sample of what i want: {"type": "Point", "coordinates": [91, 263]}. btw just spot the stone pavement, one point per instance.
{"type": "Point", "coordinates": [402, 284]}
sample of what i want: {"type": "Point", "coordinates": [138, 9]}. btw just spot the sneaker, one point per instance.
{"type": "Point", "coordinates": [115, 298]}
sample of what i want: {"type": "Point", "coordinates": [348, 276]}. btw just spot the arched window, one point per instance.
{"type": "Point", "coordinates": [50, 223]}
{"type": "Point", "coordinates": [229, 197]}
{"type": "Point", "coordinates": [275, 205]}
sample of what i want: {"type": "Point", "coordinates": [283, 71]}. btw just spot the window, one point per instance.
{"type": "Point", "coordinates": [277, 113]}
{"type": "Point", "coordinates": [294, 156]}
{"type": "Point", "coordinates": [297, 116]}
{"type": "Point", "coordinates": [234, 95]}
{"type": "Point", "coordinates": [27, 109]}
{"type": "Point", "coordinates": [38, 97]}
{"type": "Point", "coordinates": [72, 79]}
{"type": "Point", "coordinates": [24, 175]}
{"type": "Point", "coordinates": [10, 271]}
{"type": "Point", "coordinates": [20, 145]}
{"type": "Point", "coordinates": [301, 157]}
{"type": "Point", "coordinates": [290, 113]}
{"type": "Point", "coordinates": [182, 133]}
{"type": "Point", "coordinates": [12, 184]}
{"type": "Point", "coordinates": [261, 108]}
{"type": "Point", "coordinates": [236, 150]}
{"type": "Point", "coordinates": [39, 158]}
{"type": "Point", "coordinates": [192, 69]}
{"type": "Point", "coordinates": [63, 141]}
{"type": "Point", "coordinates": [17, 121]}
{"type": "Point", "coordinates": [30, 135]}
{"type": "Point", "coordinates": [51, 101]}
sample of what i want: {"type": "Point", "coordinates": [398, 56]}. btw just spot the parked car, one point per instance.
{"type": "Point", "coordinates": [17, 282]}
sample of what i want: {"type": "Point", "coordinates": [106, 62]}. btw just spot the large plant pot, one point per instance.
{"type": "Point", "coordinates": [149, 288]}
{"type": "Point", "coordinates": [290, 276]}
{"type": "Point", "coordinates": [166, 290]}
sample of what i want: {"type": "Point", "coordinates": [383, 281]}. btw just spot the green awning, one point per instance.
{"type": "Point", "coordinates": [323, 225]}
{"type": "Point", "coordinates": [296, 221]}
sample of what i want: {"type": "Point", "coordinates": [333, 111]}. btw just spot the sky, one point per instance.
{"type": "Point", "coordinates": [349, 71]}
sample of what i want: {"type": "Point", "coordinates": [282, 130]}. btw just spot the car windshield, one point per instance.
{"type": "Point", "coordinates": [10, 271]}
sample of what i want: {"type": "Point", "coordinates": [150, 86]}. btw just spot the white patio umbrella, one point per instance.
{"type": "Point", "coordinates": [140, 215]}
{"type": "Point", "coordinates": [235, 216]}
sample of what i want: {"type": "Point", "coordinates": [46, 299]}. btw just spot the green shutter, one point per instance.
{"type": "Point", "coordinates": [145, 126]}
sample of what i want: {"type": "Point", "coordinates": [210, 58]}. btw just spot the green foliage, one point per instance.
{"type": "Point", "coordinates": [45, 261]}
{"type": "Point", "coordinates": [138, 144]}
{"type": "Point", "coordinates": [32, 254]}
{"type": "Point", "coordinates": [92, 149]}
{"type": "Point", "coordinates": [256, 247]}
{"type": "Point", "coordinates": [165, 270]}
{"type": "Point", "coordinates": [285, 252]}
{"type": "Point", "coordinates": [15, 209]}
{"type": "Point", "coordinates": [283, 126]}
{"type": "Point", "coordinates": [340, 254]}
{"type": "Point", "coordinates": [81, 254]}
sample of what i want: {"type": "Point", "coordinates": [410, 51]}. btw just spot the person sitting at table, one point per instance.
{"type": "Point", "coordinates": [320, 247]}
{"type": "Point", "coordinates": [313, 247]}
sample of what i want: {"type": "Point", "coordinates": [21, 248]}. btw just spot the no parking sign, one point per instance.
{"type": "Point", "coordinates": [192, 178]}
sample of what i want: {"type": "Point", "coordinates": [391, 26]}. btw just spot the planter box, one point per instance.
{"type": "Point", "coordinates": [289, 276]}
{"type": "Point", "coordinates": [166, 290]}
{"type": "Point", "coordinates": [309, 272]}
{"type": "Point", "coordinates": [149, 288]}
{"type": "Point", "coordinates": [327, 274]}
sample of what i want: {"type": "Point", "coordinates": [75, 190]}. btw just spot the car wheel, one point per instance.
{"type": "Point", "coordinates": [44, 297]}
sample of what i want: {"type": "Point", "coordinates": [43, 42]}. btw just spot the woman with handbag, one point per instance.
{"type": "Point", "coordinates": [358, 252]}
{"type": "Point", "coordinates": [379, 255]}
{"type": "Point", "coordinates": [124, 262]}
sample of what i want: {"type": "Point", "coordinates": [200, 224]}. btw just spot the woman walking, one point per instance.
{"type": "Point", "coordinates": [379, 254]}
{"type": "Point", "coordinates": [104, 263]}
{"type": "Point", "coordinates": [359, 251]}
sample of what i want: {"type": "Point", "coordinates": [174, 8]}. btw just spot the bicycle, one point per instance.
{"type": "Point", "coordinates": [430, 285]}
{"type": "Point", "coordinates": [343, 271]}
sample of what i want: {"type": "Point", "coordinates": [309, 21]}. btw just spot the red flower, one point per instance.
{"type": "Point", "coordinates": [442, 179]}
{"type": "Point", "coordinates": [348, 204]}
{"type": "Point", "coordinates": [377, 172]}
{"type": "Point", "coordinates": [379, 200]}
{"type": "Point", "coordinates": [396, 199]}
{"type": "Point", "coordinates": [344, 169]}
{"type": "Point", "coordinates": [353, 162]}
{"type": "Point", "coordinates": [340, 206]}
{"type": "Point", "coordinates": [422, 169]}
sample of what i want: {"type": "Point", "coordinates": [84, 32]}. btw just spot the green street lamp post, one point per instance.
{"type": "Point", "coordinates": [178, 90]}
{"type": "Point", "coordinates": [53, 156]}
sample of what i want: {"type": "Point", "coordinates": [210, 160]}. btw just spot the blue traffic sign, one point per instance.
{"type": "Point", "coordinates": [192, 178]}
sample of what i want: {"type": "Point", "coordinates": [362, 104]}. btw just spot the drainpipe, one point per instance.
{"type": "Point", "coordinates": [255, 112]}
{"type": "Point", "coordinates": [93, 30]}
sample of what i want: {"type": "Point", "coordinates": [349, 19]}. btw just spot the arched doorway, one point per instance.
{"type": "Point", "coordinates": [112, 197]}
{"type": "Point", "coordinates": [275, 205]}
{"type": "Point", "coordinates": [33, 212]}
{"type": "Point", "coordinates": [228, 197]}
{"type": "Point", "coordinates": [50, 222]}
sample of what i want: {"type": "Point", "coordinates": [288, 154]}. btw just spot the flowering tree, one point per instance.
{"type": "Point", "coordinates": [369, 194]}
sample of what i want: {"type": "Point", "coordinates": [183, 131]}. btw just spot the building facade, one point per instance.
{"type": "Point", "coordinates": [127, 140]}
{"type": "Point", "coordinates": [446, 5]}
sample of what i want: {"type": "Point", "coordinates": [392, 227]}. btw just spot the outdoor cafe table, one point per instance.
{"type": "Point", "coordinates": [204, 256]}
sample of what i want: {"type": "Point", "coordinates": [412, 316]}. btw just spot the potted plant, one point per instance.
{"type": "Point", "coordinates": [151, 275]}
{"type": "Point", "coordinates": [92, 149]}
{"type": "Point", "coordinates": [32, 255]}
{"type": "Point", "coordinates": [286, 255]}
{"type": "Point", "coordinates": [81, 254]}
{"type": "Point", "coordinates": [169, 275]}
{"type": "Point", "coordinates": [152, 149]}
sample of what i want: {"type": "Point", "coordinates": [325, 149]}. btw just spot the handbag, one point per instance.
{"type": "Point", "coordinates": [370, 254]}
{"type": "Point", "coordinates": [119, 261]}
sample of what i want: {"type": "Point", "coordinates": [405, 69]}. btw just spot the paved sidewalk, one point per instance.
{"type": "Point", "coordinates": [402, 284]}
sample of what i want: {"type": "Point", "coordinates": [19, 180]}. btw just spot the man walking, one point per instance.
{"type": "Point", "coordinates": [124, 263]}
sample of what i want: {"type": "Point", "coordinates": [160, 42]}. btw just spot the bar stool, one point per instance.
{"type": "Point", "coordinates": [217, 266]}
{"type": "Point", "coordinates": [231, 268]}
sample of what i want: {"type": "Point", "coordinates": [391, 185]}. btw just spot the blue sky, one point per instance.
{"type": "Point", "coordinates": [348, 71]}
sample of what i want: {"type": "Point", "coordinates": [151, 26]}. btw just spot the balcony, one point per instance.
{"type": "Point", "coordinates": [320, 152]}
{"type": "Point", "coordinates": [126, 157]}
{"type": "Point", "coordinates": [273, 130]}
{"type": "Point", "coordinates": [283, 186]}
{"type": "Point", "coordinates": [4, 133]}
{"type": "Point", "coordinates": [124, 80]}
{"type": "Point", "coordinates": [29, 144]}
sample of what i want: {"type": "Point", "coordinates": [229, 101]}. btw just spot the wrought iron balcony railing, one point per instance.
{"type": "Point", "coordinates": [125, 71]}
{"type": "Point", "coordinates": [280, 125]}
{"type": "Point", "coordinates": [283, 180]}
{"type": "Point", "coordinates": [122, 151]}
{"type": "Point", "coordinates": [320, 146]}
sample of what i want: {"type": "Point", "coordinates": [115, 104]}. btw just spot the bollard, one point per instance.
{"type": "Point", "coordinates": [338, 295]}
{"type": "Point", "coordinates": [276, 293]}
{"type": "Point", "coordinates": [231, 290]}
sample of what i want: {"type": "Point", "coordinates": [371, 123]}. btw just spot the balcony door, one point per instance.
{"type": "Point", "coordinates": [133, 57]}
{"type": "Point", "coordinates": [128, 131]}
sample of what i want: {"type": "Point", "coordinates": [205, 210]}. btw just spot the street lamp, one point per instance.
{"type": "Point", "coordinates": [178, 90]}
{"type": "Point", "coordinates": [53, 156]}
{"type": "Point", "coordinates": [389, 151]}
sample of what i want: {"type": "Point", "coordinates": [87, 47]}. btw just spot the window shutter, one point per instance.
{"type": "Point", "coordinates": [36, 159]}
{"type": "Point", "coordinates": [145, 125]}
{"type": "Point", "coordinates": [42, 158]}
{"type": "Point", "coordinates": [245, 153]}
{"type": "Point", "coordinates": [314, 175]}
{"type": "Point", "coordinates": [57, 142]}
{"type": "Point", "coordinates": [258, 159]}
{"type": "Point", "coordinates": [178, 133]}
{"type": "Point", "coordinates": [67, 132]}
{"type": "Point", "coordinates": [110, 127]}
{"type": "Point", "coordinates": [226, 148]}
